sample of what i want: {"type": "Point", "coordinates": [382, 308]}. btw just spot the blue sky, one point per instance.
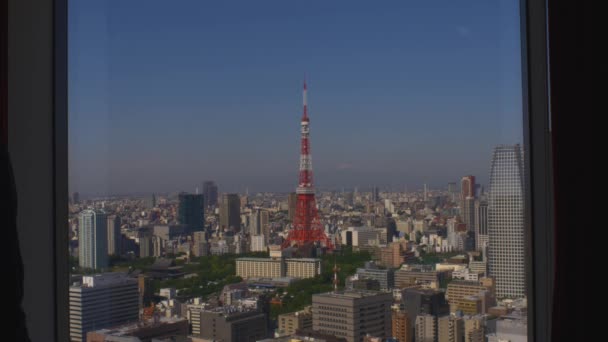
{"type": "Point", "coordinates": [166, 94]}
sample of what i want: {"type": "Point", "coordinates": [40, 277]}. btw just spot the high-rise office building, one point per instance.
{"type": "Point", "coordinates": [292, 201]}
{"type": "Point", "coordinates": [102, 300]}
{"type": "Point", "coordinates": [506, 221]}
{"type": "Point", "coordinates": [474, 329]}
{"type": "Point", "coordinates": [452, 191]}
{"type": "Point", "coordinates": [342, 313]}
{"type": "Point", "coordinates": [146, 246]}
{"type": "Point", "coordinates": [75, 198]}
{"type": "Point", "coordinates": [191, 211]}
{"type": "Point", "coordinates": [258, 243]}
{"type": "Point", "coordinates": [403, 330]}
{"type": "Point", "coordinates": [114, 237]}
{"type": "Point", "coordinates": [230, 212]}
{"type": "Point", "coordinates": [265, 224]}
{"type": "Point", "coordinates": [424, 301]}
{"type": "Point", "coordinates": [210, 193]}
{"type": "Point", "coordinates": [200, 246]}
{"type": "Point", "coordinates": [481, 225]}
{"type": "Point", "coordinates": [231, 324]}
{"type": "Point", "coordinates": [150, 202]}
{"type": "Point", "coordinates": [375, 194]}
{"type": "Point", "coordinates": [426, 328]}
{"type": "Point", "coordinates": [93, 239]}
{"type": "Point", "coordinates": [467, 187]}
{"type": "Point", "coordinates": [259, 221]}
{"type": "Point", "coordinates": [468, 213]}
{"type": "Point", "coordinates": [450, 329]}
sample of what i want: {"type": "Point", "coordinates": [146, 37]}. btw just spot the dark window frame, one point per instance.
{"type": "Point", "coordinates": [52, 94]}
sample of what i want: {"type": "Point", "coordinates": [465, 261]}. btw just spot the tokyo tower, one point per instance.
{"type": "Point", "coordinates": [307, 228]}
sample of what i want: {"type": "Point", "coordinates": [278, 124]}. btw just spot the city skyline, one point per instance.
{"type": "Point", "coordinates": [389, 107]}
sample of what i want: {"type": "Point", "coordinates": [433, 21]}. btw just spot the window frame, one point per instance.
{"type": "Point", "coordinates": [52, 39]}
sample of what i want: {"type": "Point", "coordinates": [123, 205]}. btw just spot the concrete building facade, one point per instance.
{"type": "Point", "coordinates": [386, 277]}
{"type": "Point", "coordinates": [278, 267]}
{"type": "Point", "coordinates": [402, 328]}
{"type": "Point", "coordinates": [426, 328]}
{"type": "Point", "coordinates": [352, 314]}
{"type": "Point", "coordinates": [230, 212]}
{"type": "Point", "coordinates": [114, 235]}
{"type": "Point", "coordinates": [232, 324]}
{"type": "Point", "coordinates": [93, 239]}
{"type": "Point", "coordinates": [450, 329]}
{"type": "Point", "coordinates": [102, 300]}
{"type": "Point", "coordinates": [290, 322]}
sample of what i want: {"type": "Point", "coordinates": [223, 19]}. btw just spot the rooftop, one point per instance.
{"type": "Point", "coordinates": [275, 259]}
{"type": "Point", "coordinates": [103, 280]}
{"type": "Point", "coordinates": [129, 328]}
{"type": "Point", "coordinates": [346, 294]}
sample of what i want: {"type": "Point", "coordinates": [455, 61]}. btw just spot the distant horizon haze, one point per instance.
{"type": "Point", "coordinates": [163, 97]}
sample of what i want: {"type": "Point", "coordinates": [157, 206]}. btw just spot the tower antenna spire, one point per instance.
{"type": "Point", "coordinates": [307, 228]}
{"type": "Point", "coordinates": [305, 100]}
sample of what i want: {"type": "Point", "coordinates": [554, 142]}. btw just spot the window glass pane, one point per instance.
{"type": "Point", "coordinates": [194, 209]}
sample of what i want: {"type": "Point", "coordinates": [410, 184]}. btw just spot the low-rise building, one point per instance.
{"type": "Point", "coordinates": [278, 267]}
{"type": "Point", "coordinates": [386, 277]}
{"type": "Point", "coordinates": [162, 327]}
{"type": "Point", "coordinates": [291, 322]}
{"type": "Point", "coordinates": [418, 274]}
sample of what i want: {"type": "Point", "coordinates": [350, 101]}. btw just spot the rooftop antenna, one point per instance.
{"type": "Point", "coordinates": [336, 281]}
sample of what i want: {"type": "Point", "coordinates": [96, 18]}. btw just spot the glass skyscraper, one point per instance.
{"type": "Point", "coordinates": [506, 221]}
{"type": "Point", "coordinates": [210, 193]}
{"type": "Point", "coordinates": [191, 211]}
{"type": "Point", "coordinates": [93, 239]}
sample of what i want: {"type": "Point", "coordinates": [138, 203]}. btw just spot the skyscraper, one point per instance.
{"type": "Point", "coordinates": [481, 224]}
{"type": "Point", "coordinates": [230, 212]}
{"type": "Point", "coordinates": [75, 198]}
{"type": "Point", "coordinates": [210, 193]}
{"type": "Point", "coordinates": [114, 237]}
{"type": "Point", "coordinates": [146, 246]}
{"type": "Point", "coordinates": [506, 221]}
{"type": "Point", "coordinates": [468, 213]}
{"type": "Point", "coordinates": [93, 239]}
{"type": "Point", "coordinates": [375, 194]}
{"type": "Point", "coordinates": [467, 201]}
{"type": "Point", "coordinates": [191, 211]}
{"type": "Point", "coordinates": [467, 187]}
{"type": "Point", "coordinates": [452, 187]}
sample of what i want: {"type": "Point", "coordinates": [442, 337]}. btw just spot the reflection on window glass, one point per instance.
{"type": "Point", "coordinates": [197, 213]}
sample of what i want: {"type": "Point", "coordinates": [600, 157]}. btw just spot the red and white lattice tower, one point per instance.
{"type": "Point", "coordinates": [307, 228]}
